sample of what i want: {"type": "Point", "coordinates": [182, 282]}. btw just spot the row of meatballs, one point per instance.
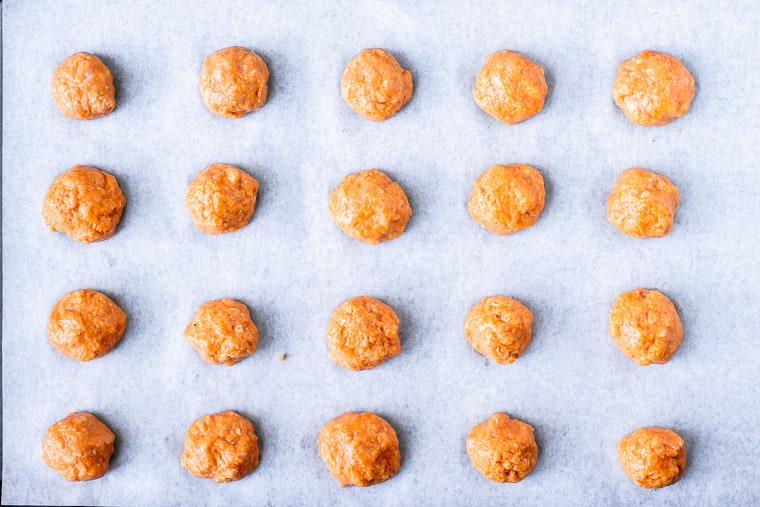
{"type": "Point", "coordinates": [86, 203]}
{"type": "Point", "coordinates": [652, 88]}
{"type": "Point", "coordinates": [359, 449]}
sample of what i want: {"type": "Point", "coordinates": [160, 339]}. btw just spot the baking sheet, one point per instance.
{"type": "Point", "coordinates": [292, 265]}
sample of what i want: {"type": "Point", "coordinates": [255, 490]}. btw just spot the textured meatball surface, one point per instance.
{"type": "Point", "coordinates": [502, 449]}
{"type": "Point", "coordinates": [222, 447]}
{"type": "Point", "coordinates": [83, 87]}
{"type": "Point", "coordinates": [222, 332]}
{"type": "Point", "coordinates": [78, 447]}
{"type": "Point", "coordinates": [359, 449]}
{"type": "Point", "coordinates": [233, 82]}
{"type": "Point", "coordinates": [221, 198]}
{"type": "Point", "coordinates": [85, 324]}
{"type": "Point", "coordinates": [653, 457]}
{"type": "Point", "coordinates": [653, 88]}
{"type": "Point", "coordinates": [642, 204]}
{"type": "Point", "coordinates": [370, 207]}
{"type": "Point", "coordinates": [499, 328]}
{"type": "Point", "coordinates": [645, 326]}
{"type": "Point", "coordinates": [84, 203]}
{"type": "Point", "coordinates": [374, 85]}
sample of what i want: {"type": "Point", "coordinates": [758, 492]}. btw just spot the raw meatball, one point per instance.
{"type": "Point", "coordinates": [78, 447]}
{"type": "Point", "coordinates": [222, 447]}
{"type": "Point", "coordinates": [502, 449]}
{"type": "Point", "coordinates": [507, 198]}
{"type": "Point", "coordinates": [374, 85]}
{"type": "Point", "coordinates": [83, 87]}
{"type": "Point", "coordinates": [363, 333]}
{"type": "Point", "coordinates": [499, 328]}
{"type": "Point", "coordinates": [84, 203]}
{"type": "Point", "coordinates": [370, 207]}
{"type": "Point", "coordinates": [645, 326]}
{"type": "Point", "coordinates": [642, 204]}
{"type": "Point", "coordinates": [359, 449]}
{"type": "Point", "coordinates": [652, 457]}
{"type": "Point", "coordinates": [85, 324]}
{"type": "Point", "coordinates": [221, 198]}
{"type": "Point", "coordinates": [510, 87]}
{"type": "Point", "coordinates": [233, 82]}
{"type": "Point", "coordinates": [222, 332]}
{"type": "Point", "coordinates": [653, 88]}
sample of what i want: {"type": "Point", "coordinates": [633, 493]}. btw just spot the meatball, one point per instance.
{"type": "Point", "coordinates": [363, 333]}
{"type": "Point", "coordinates": [83, 88]}
{"type": "Point", "coordinates": [222, 332]}
{"type": "Point", "coordinates": [507, 198]}
{"type": "Point", "coordinates": [86, 324]}
{"type": "Point", "coordinates": [359, 449]}
{"type": "Point", "coordinates": [502, 449]}
{"type": "Point", "coordinates": [78, 447]}
{"type": "Point", "coordinates": [221, 198]}
{"type": "Point", "coordinates": [652, 457]}
{"type": "Point", "coordinates": [222, 447]}
{"type": "Point", "coordinates": [374, 85]}
{"type": "Point", "coordinates": [499, 328]}
{"type": "Point", "coordinates": [653, 89]}
{"type": "Point", "coordinates": [645, 326]}
{"type": "Point", "coordinates": [370, 207]}
{"type": "Point", "coordinates": [84, 203]}
{"type": "Point", "coordinates": [642, 204]}
{"type": "Point", "coordinates": [510, 87]}
{"type": "Point", "coordinates": [233, 82]}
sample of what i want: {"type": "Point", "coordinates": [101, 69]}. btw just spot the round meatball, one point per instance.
{"type": "Point", "coordinates": [363, 333]}
{"type": "Point", "coordinates": [359, 449]}
{"type": "Point", "coordinates": [507, 198]}
{"type": "Point", "coordinates": [233, 82]}
{"type": "Point", "coordinates": [221, 198]}
{"type": "Point", "coordinates": [222, 332]}
{"type": "Point", "coordinates": [652, 457]}
{"type": "Point", "coordinates": [85, 324]}
{"type": "Point", "coordinates": [642, 204]}
{"type": "Point", "coordinates": [370, 207]}
{"type": "Point", "coordinates": [510, 87]}
{"type": "Point", "coordinates": [83, 88]}
{"type": "Point", "coordinates": [78, 447]}
{"type": "Point", "coordinates": [653, 88]}
{"type": "Point", "coordinates": [374, 85]}
{"type": "Point", "coordinates": [645, 326]}
{"type": "Point", "coordinates": [84, 203]}
{"type": "Point", "coordinates": [222, 447]}
{"type": "Point", "coordinates": [499, 328]}
{"type": "Point", "coordinates": [502, 449]}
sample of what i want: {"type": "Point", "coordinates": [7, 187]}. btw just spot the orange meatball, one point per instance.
{"type": "Point", "coordinates": [499, 328]}
{"type": "Point", "coordinates": [653, 88]}
{"type": "Point", "coordinates": [233, 82]}
{"type": "Point", "coordinates": [222, 332]}
{"type": "Point", "coordinates": [645, 326]}
{"type": "Point", "coordinates": [502, 449]}
{"type": "Point", "coordinates": [374, 85]}
{"type": "Point", "coordinates": [363, 333]}
{"type": "Point", "coordinates": [84, 203]}
{"type": "Point", "coordinates": [78, 447]}
{"type": "Point", "coordinates": [370, 207]}
{"type": "Point", "coordinates": [221, 199]}
{"type": "Point", "coordinates": [85, 324]}
{"type": "Point", "coordinates": [359, 449]}
{"type": "Point", "coordinates": [510, 87]}
{"type": "Point", "coordinates": [83, 88]}
{"type": "Point", "coordinates": [642, 204]}
{"type": "Point", "coordinates": [222, 447]}
{"type": "Point", "coordinates": [507, 198]}
{"type": "Point", "coordinates": [653, 457]}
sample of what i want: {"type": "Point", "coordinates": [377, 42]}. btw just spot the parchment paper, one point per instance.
{"type": "Point", "coordinates": [292, 265]}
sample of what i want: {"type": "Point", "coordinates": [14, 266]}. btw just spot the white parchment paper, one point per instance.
{"type": "Point", "coordinates": [292, 265]}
